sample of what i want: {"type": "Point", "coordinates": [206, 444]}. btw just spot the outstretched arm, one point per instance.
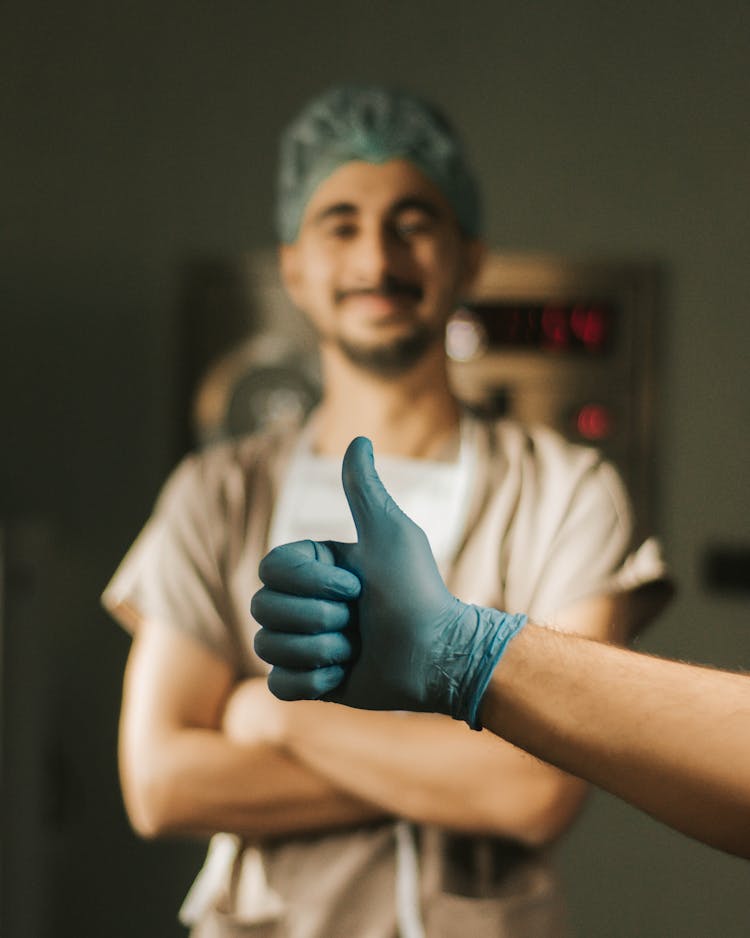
{"type": "Point", "coordinates": [670, 738]}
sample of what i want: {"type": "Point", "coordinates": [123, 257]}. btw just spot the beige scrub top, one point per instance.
{"type": "Point", "coordinates": [548, 523]}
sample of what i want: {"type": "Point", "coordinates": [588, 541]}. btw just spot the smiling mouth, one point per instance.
{"type": "Point", "coordinates": [391, 293]}
{"type": "Point", "coordinates": [379, 306]}
{"type": "Point", "coordinates": [378, 301]}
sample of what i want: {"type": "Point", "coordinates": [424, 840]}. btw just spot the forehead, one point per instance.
{"type": "Point", "coordinates": [375, 188]}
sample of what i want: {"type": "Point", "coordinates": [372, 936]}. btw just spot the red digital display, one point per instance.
{"type": "Point", "coordinates": [595, 422]}
{"type": "Point", "coordinates": [576, 327]}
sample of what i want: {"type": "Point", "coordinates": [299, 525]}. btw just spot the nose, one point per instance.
{"type": "Point", "coordinates": [371, 257]}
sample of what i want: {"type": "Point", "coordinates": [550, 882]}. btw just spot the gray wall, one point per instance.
{"type": "Point", "coordinates": [136, 135]}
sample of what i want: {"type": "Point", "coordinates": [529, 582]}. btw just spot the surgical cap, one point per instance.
{"type": "Point", "coordinates": [373, 124]}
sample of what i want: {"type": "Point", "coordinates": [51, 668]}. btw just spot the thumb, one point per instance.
{"type": "Point", "coordinates": [368, 499]}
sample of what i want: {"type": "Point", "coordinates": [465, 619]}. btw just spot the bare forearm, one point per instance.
{"type": "Point", "coordinates": [183, 773]}
{"type": "Point", "coordinates": [434, 770]}
{"type": "Point", "coordinates": [199, 782]}
{"type": "Point", "coordinates": [670, 738]}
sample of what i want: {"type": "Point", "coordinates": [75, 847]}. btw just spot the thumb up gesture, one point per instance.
{"type": "Point", "coordinates": [371, 624]}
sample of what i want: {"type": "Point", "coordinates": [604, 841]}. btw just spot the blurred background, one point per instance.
{"type": "Point", "coordinates": [138, 141]}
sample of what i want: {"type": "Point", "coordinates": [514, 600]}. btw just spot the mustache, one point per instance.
{"type": "Point", "coordinates": [388, 287]}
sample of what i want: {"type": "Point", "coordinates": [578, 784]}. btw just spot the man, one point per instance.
{"type": "Point", "coordinates": [671, 738]}
{"type": "Point", "coordinates": [350, 823]}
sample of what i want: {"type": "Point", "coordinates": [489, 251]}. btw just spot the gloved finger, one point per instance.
{"type": "Point", "coordinates": [288, 650]}
{"type": "Point", "coordinates": [287, 684]}
{"type": "Point", "coordinates": [283, 612]}
{"type": "Point", "coordinates": [368, 499]}
{"type": "Point", "coordinates": [307, 568]}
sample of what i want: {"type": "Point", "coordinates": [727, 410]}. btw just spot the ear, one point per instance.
{"type": "Point", "coordinates": [290, 270]}
{"type": "Point", "coordinates": [473, 252]}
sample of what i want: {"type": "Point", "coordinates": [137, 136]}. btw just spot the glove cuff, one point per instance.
{"type": "Point", "coordinates": [492, 633]}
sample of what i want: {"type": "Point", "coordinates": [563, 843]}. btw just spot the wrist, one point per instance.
{"type": "Point", "coordinates": [300, 722]}
{"type": "Point", "coordinates": [491, 632]}
{"type": "Point", "coordinates": [252, 715]}
{"type": "Point", "coordinates": [513, 692]}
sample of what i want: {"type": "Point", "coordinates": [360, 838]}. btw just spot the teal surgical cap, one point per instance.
{"type": "Point", "coordinates": [374, 124]}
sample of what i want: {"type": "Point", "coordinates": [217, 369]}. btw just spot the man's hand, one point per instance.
{"type": "Point", "coordinates": [252, 714]}
{"type": "Point", "coordinates": [405, 644]}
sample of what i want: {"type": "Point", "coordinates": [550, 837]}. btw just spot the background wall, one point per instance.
{"type": "Point", "coordinates": [137, 135]}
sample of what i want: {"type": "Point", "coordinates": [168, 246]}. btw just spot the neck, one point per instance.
{"type": "Point", "coordinates": [413, 415]}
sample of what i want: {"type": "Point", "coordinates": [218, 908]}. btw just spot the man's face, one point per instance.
{"type": "Point", "coordinates": [379, 263]}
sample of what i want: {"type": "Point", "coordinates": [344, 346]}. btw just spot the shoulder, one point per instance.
{"type": "Point", "coordinates": [550, 471]}
{"type": "Point", "coordinates": [536, 446]}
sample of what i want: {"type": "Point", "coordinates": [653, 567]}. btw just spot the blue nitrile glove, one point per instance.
{"type": "Point", "coordinates": [304, 610]}
{"type": "Point", "coordinates": [414, 645]}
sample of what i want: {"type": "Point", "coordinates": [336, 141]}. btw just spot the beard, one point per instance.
{"type": "Point", "coordinates": [389, 360]}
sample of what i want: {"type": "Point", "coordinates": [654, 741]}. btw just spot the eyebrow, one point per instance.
{"type": "Point", "coordinates": [334, 211]}
{"type": "Point", "coordinates": [418, 203]}
{"type": "Point", "coordinates": [408, 203]}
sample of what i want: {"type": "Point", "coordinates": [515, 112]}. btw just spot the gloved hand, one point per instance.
{"type": "Point", "coordinates": [405, 644]}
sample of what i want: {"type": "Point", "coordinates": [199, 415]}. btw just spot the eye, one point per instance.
{"type": "Point", "coordinates": [412, 224]}
{"type": "Point", "coordinates": [342, 230]}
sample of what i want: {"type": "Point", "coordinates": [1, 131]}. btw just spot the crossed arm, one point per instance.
{"type": "Point", "coordinates": [179, 772]}
{"type": "Point", "coordinates": [200, 753]}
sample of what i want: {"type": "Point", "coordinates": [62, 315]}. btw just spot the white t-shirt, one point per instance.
{"type": "Point", "coordinates": [434, 493]}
